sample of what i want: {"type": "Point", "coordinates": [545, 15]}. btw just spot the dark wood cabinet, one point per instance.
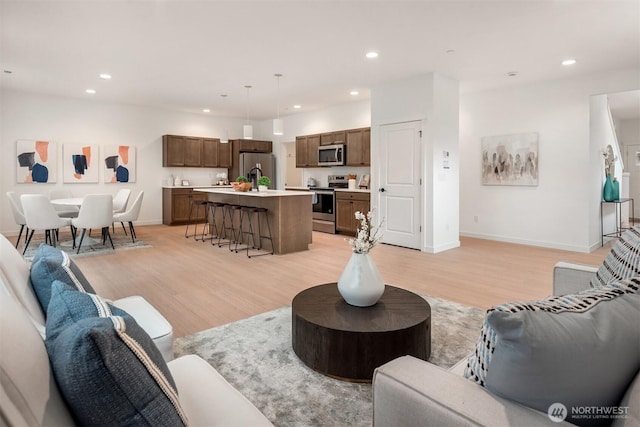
{"type": "Point", "coordinates": [176, 203]}
{"type": "Point", "coordinates": [189, 151]}
{"type": "Point", "coordinates": [307, 151]}
{"type": "Point", "coordinates": [347, 204]}
{"type": "Point", "coordinates": [358, 146]}
{"type": "Point", "coordinates": [333, 138]}
{"type": "Point", "coordinates": [253, 146]}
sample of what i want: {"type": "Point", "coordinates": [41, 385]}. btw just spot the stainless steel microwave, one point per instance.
{"type": "Point", "coordinates": [331, 155]}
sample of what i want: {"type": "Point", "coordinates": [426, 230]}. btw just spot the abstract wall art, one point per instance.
{"type": "Point", "coordinates": [119, 163]}
{"type": "Point", "coordinates": [510, 159]}
{"type": "Point", "coordinates": [36, 161]}
{"type": "Point", "coordinates": [79, 163]}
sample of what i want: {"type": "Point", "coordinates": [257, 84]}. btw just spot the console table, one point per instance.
{"type": "Point", "coordinates": [619, 229]}
{"type": "Point", "coordinates": [349, 343]}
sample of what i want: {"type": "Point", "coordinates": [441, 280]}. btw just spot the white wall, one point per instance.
{"type": "Point", "coordinates": [70, 120]}
{"type": "Point", "coordinates": [563, 210]}
{"type": "Point", "coordinates": [431, 99]}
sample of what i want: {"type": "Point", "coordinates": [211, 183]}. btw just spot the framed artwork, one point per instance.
{"type": "Point", "coordinates": [36, 162]}
{"type": "Point", "coordinates": [79, 163]}
{"type": "Point", "coordinates": [510, 159]}
{"type": "Point", "coordinates": [119, 163]}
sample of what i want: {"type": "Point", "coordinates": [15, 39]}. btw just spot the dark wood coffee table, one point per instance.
{"type": "Point", "coordinates": [347, 342]}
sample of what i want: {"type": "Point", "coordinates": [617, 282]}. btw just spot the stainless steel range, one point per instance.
{"type": "Point", "coordinates": [324, 208]}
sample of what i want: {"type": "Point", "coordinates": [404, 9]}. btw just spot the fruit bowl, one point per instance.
{"type": "Point", "coordinates": [241, 186]}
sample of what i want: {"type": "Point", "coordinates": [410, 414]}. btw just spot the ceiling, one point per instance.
{"type": "Point", "coordinates": [182, 55]}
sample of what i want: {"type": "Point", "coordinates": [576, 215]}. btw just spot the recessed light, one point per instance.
{"type": "Point", "coordinates": [354, 93]}
{"type": "Point", "coordinates": [105, 76]}
{"type": "Point", "coordinates": [371, 55]}
{"type": "Point", "coordinates": [206, 110]}
{"type": "Point", "coordinates": [568, 62]}
{"type": "Point", "coordinates": [91, 91]}
{"type": "Point", "coordinates": [297, 106]}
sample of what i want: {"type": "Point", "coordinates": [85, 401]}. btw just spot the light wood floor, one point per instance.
{"type": "Point", "coordinates": [197, 286]}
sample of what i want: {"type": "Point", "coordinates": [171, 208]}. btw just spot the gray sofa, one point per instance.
{"type": "Point", "coordinates": [31, 396]}
{"type": "Point", "coordinates": [411, 392]}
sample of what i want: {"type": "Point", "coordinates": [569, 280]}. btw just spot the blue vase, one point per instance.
{"type": "Point", "coordinates": [607, 192]}
{"type": "Point", "coordinates": [616, 189]}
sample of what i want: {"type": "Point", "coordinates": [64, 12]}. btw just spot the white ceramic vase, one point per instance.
{"type": "Point", "coordinates": [263, 188]}
{"type": "Point", "coordinates": [361, 283]}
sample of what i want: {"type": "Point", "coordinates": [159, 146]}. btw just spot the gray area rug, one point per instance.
{"type": "Point", "coordinates": [120, 242]}
{"type": "Point", "coordinates": [256, 357]}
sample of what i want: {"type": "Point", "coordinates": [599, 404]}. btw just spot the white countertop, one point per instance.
{"type": "Point", "coordinates": [196, 186]}
{"type": "Point", "coordinates": [357, 190]}
{"type": "Point", "coordinates": [268, 193]}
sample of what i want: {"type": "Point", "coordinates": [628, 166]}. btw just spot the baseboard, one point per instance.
{"type": "Point", "coordinates": [550, 245]}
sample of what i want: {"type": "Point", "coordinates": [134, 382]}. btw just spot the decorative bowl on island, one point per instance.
{"type": "Point", "coordinates": [241, 186]}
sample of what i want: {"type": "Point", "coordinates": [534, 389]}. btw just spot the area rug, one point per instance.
{"type": "Point", "coordinates": [120, 242]}
{"type": "Point", "coordinates": [256, 357]}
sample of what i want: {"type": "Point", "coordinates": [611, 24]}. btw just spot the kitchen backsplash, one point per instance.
{"type": "Point", "coordinates": [321, 174]}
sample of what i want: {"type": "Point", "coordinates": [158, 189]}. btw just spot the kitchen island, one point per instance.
{"type": "Point", "coordinates": [289, 214]}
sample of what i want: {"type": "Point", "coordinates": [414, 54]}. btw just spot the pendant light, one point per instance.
{"type": "Point", "coordinates": [247, 129]}
{"type": "Point", "coordinates": [224, 138]}
{"type": "Point", "coordinates": [278, 127]}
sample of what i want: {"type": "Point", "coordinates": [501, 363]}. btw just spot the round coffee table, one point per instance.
{"type": "Point", "coordinates": [349, 343]}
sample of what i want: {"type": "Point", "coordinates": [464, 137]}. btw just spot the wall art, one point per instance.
{"type": "Point", "coordinates": [119, 163]}
{"type": "Point", "coordinates": [79, 163]}
{"type": "Point", "coordinates": [36, 162]}
{"type": "Point", "coordinates": [510, 159]}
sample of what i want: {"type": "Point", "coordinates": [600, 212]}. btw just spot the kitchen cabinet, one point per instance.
{"type": "Point", "coordinates": [358, 143]}
{"type": "Point", "coordinates": [333, 138]}
{"type": "Point", "coordinates": [176, 203]}
{"type": "Point", "coordinates": [347, 204]}
{"type": "Point", "coordinates": [307, 151]}
{"type": "Point", "coordinates": [252, 146]}
{"type": "Point", "coordinates": [215, 154]}
{"type": "Point", "coordinates": [189, 151]}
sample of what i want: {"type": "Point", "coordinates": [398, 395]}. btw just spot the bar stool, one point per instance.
{"type": "Point", "coordinates": [197, 204]}
{"type": "Point", "coordinates": [211, 227]}
{"type": "Point", "coordinates": [247, 213]}
{"type": "Point", "coordinates": [228, 219]}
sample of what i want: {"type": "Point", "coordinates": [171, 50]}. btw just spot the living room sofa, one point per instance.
{"type": "Point", "coordinates": [31, 393]}
{"type": "Point", "coordinates": [411, 392]}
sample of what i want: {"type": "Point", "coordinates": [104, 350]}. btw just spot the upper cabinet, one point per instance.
{"type": "Point", "coordinates": [252, 146]}
{"type": "Point", "coordinates": [189, 151]}
{"type": "Point", "coordinates": [357, 143]}
{"type": "Point", "coordinates": [359, 147]}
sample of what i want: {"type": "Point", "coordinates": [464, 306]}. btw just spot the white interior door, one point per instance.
{"type": "Point", "coordinates": [399, 197]}
{"type": "Point", "coordinates": [632, 165]}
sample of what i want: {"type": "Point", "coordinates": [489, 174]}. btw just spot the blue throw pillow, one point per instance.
{"type": "Point", "coordinates": [108, 369]}
{"type": "Point", "coordinates": [68, 305]}
{"type": "Point", "coordinates": [51, 264]}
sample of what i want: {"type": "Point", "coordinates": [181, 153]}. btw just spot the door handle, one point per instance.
{"type": "Point", "coordinates": [382, 190]}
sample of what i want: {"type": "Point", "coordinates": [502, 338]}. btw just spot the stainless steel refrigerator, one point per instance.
{"type": "Point", "coordinates": [265, 162]}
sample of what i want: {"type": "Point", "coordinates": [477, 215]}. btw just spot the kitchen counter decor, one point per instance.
{"type": "Point", "coordinates": [361, 284]}
{"type": "Point", "coordinates": [241, 184]}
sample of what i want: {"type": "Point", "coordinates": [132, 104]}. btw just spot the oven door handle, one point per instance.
{"type": "Point", "coordinates": [328, 193]}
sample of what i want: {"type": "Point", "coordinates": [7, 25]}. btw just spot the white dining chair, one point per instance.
{"type": "Point", "coordinates": [18, 214]}
{"type": "Point", "coordinates": [130, 215]}
{"type": "Point", "coordinates": [120, 201]}
{"type": "Point", "coordinates": [64, 211]}
{"type": "Point", "coordinates": [40, 215]}
{"type": "Point", "coordinates": [96, 212]}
